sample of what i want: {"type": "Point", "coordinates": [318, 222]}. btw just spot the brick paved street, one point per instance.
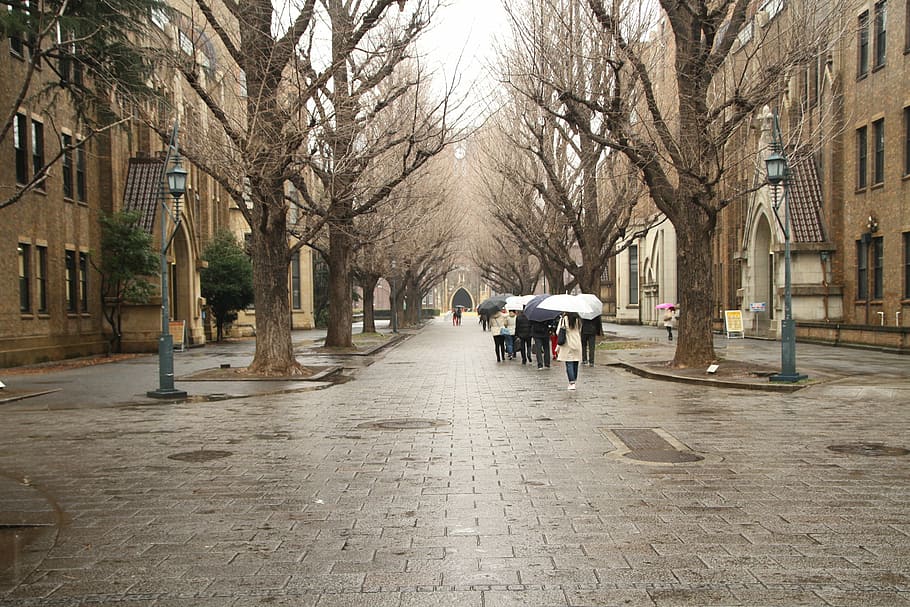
{"type": "Point", "coordinates": [488, 485]}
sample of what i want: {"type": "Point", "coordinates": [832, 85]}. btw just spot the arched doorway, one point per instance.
{"type": "Point", "coordinates": [762, 262]}
{"type": "Point", "coordinates": [462, 298]}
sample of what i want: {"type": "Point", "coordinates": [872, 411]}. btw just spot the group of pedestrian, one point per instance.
{"type": "Point", "coordinates": [456, 316]}
{"type": "Point", "coordinates": [515, 334]}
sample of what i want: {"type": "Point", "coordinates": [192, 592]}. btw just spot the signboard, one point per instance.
{"type": "Point", "coordinates": [177, 329]}
{"type": "Point", "coordinates": [733, 323]}
{"type": "Point", "coordinates": [757, 306]}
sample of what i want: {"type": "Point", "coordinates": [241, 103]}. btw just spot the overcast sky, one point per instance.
{"type": "Point", "coordinates": [467, 30]}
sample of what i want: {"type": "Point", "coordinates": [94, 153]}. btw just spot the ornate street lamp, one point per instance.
{"type": "Point", "coordinates": [176, 184]}
{"type": "Point", "coordinates": [779, 174]}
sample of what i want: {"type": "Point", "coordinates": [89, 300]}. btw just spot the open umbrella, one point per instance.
{"type": "Point", "coordinates": [517, 302]}
{"type": "Point", "coordinates": [492, 304]}
{"type": "Point", "coordinates": [664, 306]}
{"type": "Point", "coordinates": [586, 305]}
{"type": "Point", "coordinates": [534, 312]}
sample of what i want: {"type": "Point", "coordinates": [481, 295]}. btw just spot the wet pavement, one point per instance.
{"type": "Point", "coordinates": [437, 476]}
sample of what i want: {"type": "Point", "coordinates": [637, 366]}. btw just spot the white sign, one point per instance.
{"type": "Point", "coordinates": [757, 306]}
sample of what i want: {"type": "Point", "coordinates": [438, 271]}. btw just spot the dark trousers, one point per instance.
{"type": "Point", "coordinates": [499, 344]}
{"type": "Point", "coordinates": [524, 346]}
{"type": "Point", "coordinates": [588, 343]}
{"type": "Point", "coordinates": [542, 351]}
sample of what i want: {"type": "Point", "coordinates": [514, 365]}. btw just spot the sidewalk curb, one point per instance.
{"type": "Point", "coordinates": [716, 383]}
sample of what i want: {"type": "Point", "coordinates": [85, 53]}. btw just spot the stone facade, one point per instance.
{"type": "Point", "coordinates": [50, 304]}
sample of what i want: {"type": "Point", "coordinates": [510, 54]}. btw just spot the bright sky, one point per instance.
{"type": "Point", "coordinates": [464, 39]}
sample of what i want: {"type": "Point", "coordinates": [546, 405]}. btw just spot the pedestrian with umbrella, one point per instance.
{"type": "Point", "coordinates": [590, 329]}
{"type": "Point", "coordinates": [669, 318]}
{"type": "Point", "coordinates": [540, 329]}
{"type": "Point", "coordinates": [568, 346]}
{"type": "Point", "coordinates": [498, 322]}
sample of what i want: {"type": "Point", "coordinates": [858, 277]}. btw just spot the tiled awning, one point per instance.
{"type": "Point", "coordinates": [144, 181]}
{"type": "Point", "coordinates": [805, 192]}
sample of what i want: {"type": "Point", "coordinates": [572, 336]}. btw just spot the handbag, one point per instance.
{"type": "Point", "coordinates": [561, 335]}
{"type": "Point", "coordinates": [505, 331]}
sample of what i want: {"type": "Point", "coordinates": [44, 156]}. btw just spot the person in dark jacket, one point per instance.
{"type": "Point", "coordinates": [540, 332]}
{"type": "Point", "coordinates": [523, 335]}
{"type": "Point", "coordinates": [590, 329]}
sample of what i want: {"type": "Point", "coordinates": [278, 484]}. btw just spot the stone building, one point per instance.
{"type": "Point", "coordinates": [845, 125]}
{"type": "Point", "coordinates": [51, 304]}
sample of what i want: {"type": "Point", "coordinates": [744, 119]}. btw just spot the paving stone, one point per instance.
{"type": "Point", "coordinates": [517, 500]}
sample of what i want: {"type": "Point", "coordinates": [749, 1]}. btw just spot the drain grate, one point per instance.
{"type": "Point", "coordinates": [869, 450]}
{"type": "Point", "coordinates": [647, 445]}
{"type": "Point", "coordinates": [200, 456]}
{"type": "Point", "coordinates": [404, 424]}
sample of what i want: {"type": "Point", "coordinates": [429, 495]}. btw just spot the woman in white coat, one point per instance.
{"type": "Point", "coordinates": [570, 352]}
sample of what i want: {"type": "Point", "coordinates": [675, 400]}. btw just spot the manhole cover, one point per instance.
{"type": "Point", "coordinates": [869, 449]}
{"type": "Point", "coordinates": [663, 456]}
{"type": "Point", "coordinates": [199, 456]}
{"type": "Point", "coordinates": [404, 424]}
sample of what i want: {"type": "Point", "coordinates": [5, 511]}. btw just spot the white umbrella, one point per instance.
{"type": "Point", "coordinates": [585, 305]}
{"type": "Point", "coordinates": [517, 302]}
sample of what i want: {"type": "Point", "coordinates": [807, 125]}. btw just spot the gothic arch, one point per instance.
{"type": "Point", "coordinates": [461, 297]}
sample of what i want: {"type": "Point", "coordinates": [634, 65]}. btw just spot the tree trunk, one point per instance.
{"type": "Point", "coordinates": [369, 303]}
{"type": "Point", "coordinates": [341, 314]}
{"type": "Point", "coordinates": [412, 297]}
{"type": "Point", "coordinates": [695, 271]}
{"type": "Point", "coordinates": [274, 353]}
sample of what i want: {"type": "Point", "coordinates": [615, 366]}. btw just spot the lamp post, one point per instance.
{"type": "Point", "coordinates": [176, 185]}
{"type": "Point", "coordinates": [779, 174]}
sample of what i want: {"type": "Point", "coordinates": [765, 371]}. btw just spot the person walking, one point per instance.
{"type": "Point", "coordinates": [498, 320]}
{"type": "Point", "coordinates": [508, 333]}
{"type": "Point", "coordinates": [590, 330]}
{"type": "Point", "coordinates": [540, 332]}
{"type": "Point", "coordinates": [670, 321]}
{"type": "Point", "coordinates": [570, 351]}
{"type": "Point", "coordinates": [523, 336]}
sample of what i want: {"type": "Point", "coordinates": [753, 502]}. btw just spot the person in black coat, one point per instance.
{"type": "Point", "coordinates": [523, 333]}
{"type": "Point", "coordinates": [590, 329]}
{"type": "Point", "coordinates": [540, 332]}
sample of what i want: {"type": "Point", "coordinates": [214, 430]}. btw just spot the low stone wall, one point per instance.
{"type": "Point", "coordinates": [889, 339]}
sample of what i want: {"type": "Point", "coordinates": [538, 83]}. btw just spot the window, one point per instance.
{"type": "Point", "coordinates": [295, 281]}
{"type": "Point", "coordinates": [80, 173]}
{"type": "Point", "coordinates": [878, 262]}
{"type": "Point", "coordinates": [67, 172]}
{"type": "Point", "coordinates": [880, 33]}
{"type": "Point", "coordinates": [83, 282]}
{"type": "Point", "coordinates": [41, 279]}
{"type": "Point", "coordinates": [37, 148]}
{"type": "Point", "coordinates": [16, 43]}
{"type": "Point", "coordinates": [20, 130]}
{"type": "Point", "coordinates": [861, 157]}
{"type": "Point", "coordinates": [878, 167]}
{"type": "Point", "coordinates": [71, 286]}
{"type": "Point", "coordinates": [633, 274]}
{"type": "Point", "coordinates": [814, 76]}
{"type": "Point", "coordinates": [25, 277]}
{"type": "Point", "coordinates": [862, 45]}
{"type": "Point", "coordinates": [862, 274]}
{"type": "Point", "coordinates": [906, 265]}
{"type": "Point", "coordinates": [907, 137]}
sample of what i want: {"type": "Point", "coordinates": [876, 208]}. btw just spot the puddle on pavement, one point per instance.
{"type": "Point", "coordinates": [16, 543]}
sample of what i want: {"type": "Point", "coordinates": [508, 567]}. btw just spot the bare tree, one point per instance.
{"type": "Point", "coordinates": [301, 117]}
{"type": "Point", "coordinates": [681, 83]}
{"type": "Point", "coordinates": [558, 170]}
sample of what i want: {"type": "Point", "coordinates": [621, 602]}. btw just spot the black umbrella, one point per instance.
{"type": "Point", "coordinates": [492, 304]}
{"type": "Point", "coordinates": [539, 314]}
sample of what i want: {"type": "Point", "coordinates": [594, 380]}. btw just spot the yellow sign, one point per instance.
{"type": "Point", "coordinates": [177, 329]}
{"type": "Point", "coordinates": [733, 320]}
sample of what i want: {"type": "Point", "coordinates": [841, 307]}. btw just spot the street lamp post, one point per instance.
{"type": "Point", "coordinates": [176, 185]}
{"type": "Point", "coordinates": [779, 174]}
